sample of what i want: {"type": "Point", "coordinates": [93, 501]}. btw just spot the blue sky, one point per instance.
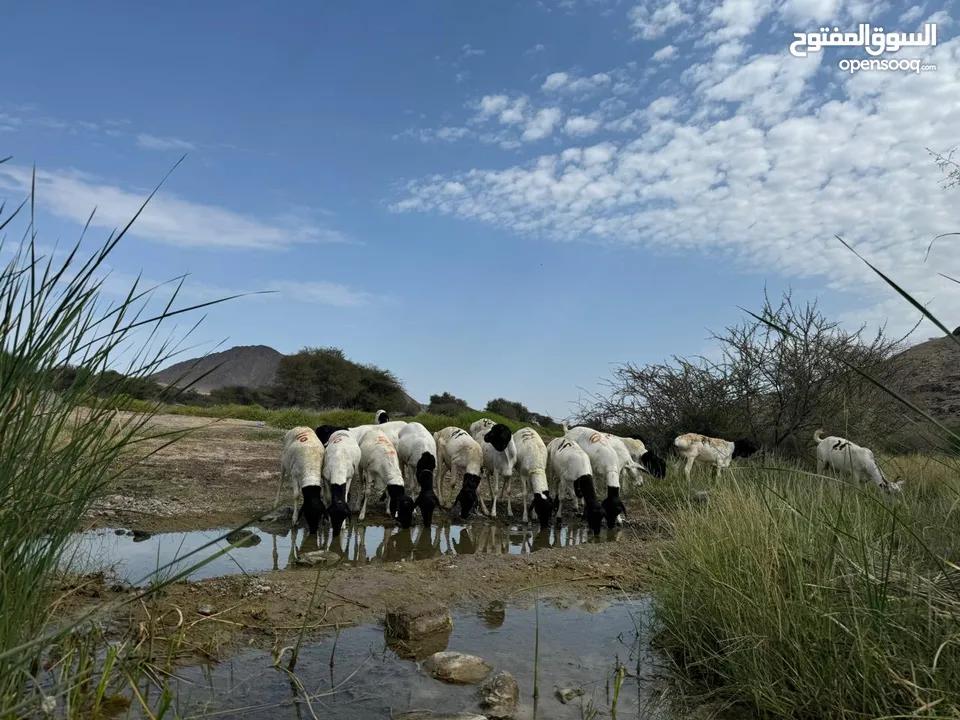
{"type": "Point", "coordinates": [497, 198]}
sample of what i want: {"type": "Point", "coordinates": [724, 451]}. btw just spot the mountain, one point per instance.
{"type": "Point", "coordinates": [247, 365]}
{"type": "Point", "coordinates": [931, 377]}
{"type": "Point", "coordinates": [252, 366]}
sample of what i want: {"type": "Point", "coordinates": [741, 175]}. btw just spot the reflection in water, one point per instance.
{"type": "Point", "coordinates": [493, 613]}
{"type": "Point", "coordinates": [356, 545]}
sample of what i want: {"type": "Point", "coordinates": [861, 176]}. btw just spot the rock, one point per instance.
{"type": "Point", "coordinates": [458, 668]}
{"type": "Point", "coordinates": [566, 694]}
{"type": "Point", "coordinates": [284, 514]}
{"type": "Point", "coordinates": [206, 609]}
{"type": "Point", "coordinates": [499, 694]}
{"type": "Point", "coordinates": [119, 531]}
{"type": "Point", "coordinates": [244, 538]}
{"type": "Point", "coordinates": [419, 647]}
{"type": "Point", "coordinates": [322, 558]}
{"type": "Point", "coordinates": [417, 621]}
{"type": "Point", "coordinates": [430, 715]}
{"type": "Point", "coordinates": [140, 535]}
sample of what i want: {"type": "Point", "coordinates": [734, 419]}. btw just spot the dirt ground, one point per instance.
{"type": "Point", "coordinates": [227, 471]}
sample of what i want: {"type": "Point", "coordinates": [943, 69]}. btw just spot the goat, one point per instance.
{"type": "Point", "coordinates": [461, 454]}
{"type": "Point", "coordinates": [719, 453]}
{"type": "Point", "coordinates": [499, 459]}
{"type": "Point", "coordinates": [416, 451]}
{"type": "Point", "coordinates": [341, 464]}
{"type": "Point", "coordinates": [843, 456]}
{"type": "Point", "coordinates": [654, 464]}
{"type": "Point", "coordinates": [532, 464]}
{"type": "Point", "coordinates": [568, 468]}
{"type": "Point", "coordinates": [381, 469]}
{"type": "Point", "coordinates": [302, 460]}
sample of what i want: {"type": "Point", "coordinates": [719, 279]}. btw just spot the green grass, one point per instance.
{"type": "Point", "coordinates": [292, 417]}
{"type": "Point", "coordinates": [808, 597]}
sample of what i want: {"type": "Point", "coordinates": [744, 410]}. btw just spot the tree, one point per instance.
{"type": "Point", "coordinates": [766, 386]}
{"type": "Point", "coordinates": [447, 404]}
{"type": "Point", "coordinates": [509, 409]}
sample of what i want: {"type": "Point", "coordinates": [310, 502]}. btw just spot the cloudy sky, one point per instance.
{"type": "Point", "coordinates": [494, 198]}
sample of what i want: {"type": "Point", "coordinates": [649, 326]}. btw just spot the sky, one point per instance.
{"type": "Point", "coordinates": [495, 199]}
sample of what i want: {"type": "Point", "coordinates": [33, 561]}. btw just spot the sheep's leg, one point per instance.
{"type": "Point", "coordinates": [283, 476]}
{"type": "Point", "coordinates": [438, 482]}
{"type": "Point", "coordinates": [523, 497]}
{"type": "Point", "coordinates": [483, 505]}
{"type": "Point", "coordinates": [508, 491]}
{"type": "Point", "coordinates": [276, 554]}
{"type": "Point", "coordinates": [494, 481]}
{"type": "Point", "coordinates": [687, 467]}
{"type": "Point", "coordinates": [363, 508]}
{"type": "Point", "coordinates": [559, 496]}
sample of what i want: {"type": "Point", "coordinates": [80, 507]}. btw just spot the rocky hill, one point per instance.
{"type": "Point", "coordinates": [247, 365]}
{"type": "Point", "coordinates": [931, 377]}
{"type": "Point", "coordinates": [252, 366]}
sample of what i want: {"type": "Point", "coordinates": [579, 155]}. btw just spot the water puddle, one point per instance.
{"type": "Point", "coordinates": [373, 677]}
{"type": "Point", "coordinates": [134, 557]}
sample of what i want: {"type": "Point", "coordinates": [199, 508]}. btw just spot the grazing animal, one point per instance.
{"type": "Point", "coordinates": [629, 468]}
{"type": "Point", "coordinates": [532, 466]}
{"type": "Point", "coordinates": [417, 452]}
{"type": "Point", "coordinates": [499, 459]}
{"type": "Point", "coordinates": [568, 468]}
{"type": "Point", "coordinates": [461, 454]}
{"type": "Point", "coordinates": [694, 447]}
{"type": "Point", "coordinates": [605, 461]}
{"type": "Point", "coordinates": [653, 464]}
{"type": "Point", "coordinates": [303, 461]}
{"type": "Point", "coordinates": [381, 417]}
{"type": "Point", "coordinates": [390, 429]}
{"type": "Point", "coordinates": [380, 470]}
{"type": "Point", "coordinates": [843, 456]}
{"type": "Point", "coordinates": [427, 499]}
{"type": "Point", "coordinates": [341, 464]}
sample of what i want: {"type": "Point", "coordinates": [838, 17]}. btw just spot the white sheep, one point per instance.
{"type": "Point", "coordinates": [462, 456]}
{"type": "Point", "coordinates": [652, 463]}
{"type": "Point", "coordinates": [417, 452]}
{"type": "Point", "coordinates": [694, 447]}
{"type": "Point", "coordinates": [499, 459]}
{"type": "Point", "coordinates": [532, 467]}
{"type": "Point", "coordinates": [302, 461]}
{"type": "Point", "coordinates": [568, 468]}
{"type": "Point", "coordinates": [341, 464]}
{"type": "Point", "coordinates": [390, 429]}
{"type": "Point", "coordinates": [843, 456]}
{"type": "Point", "coordinates": [629, 468]}
{"type": "Point", "coordinates": [607, 464]}
{"type": "Point", "coordinates": [380, 470]}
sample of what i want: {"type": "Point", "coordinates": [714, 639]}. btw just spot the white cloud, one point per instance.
{"type": "Point", "coordinates": [561, 81]}
{"type": "Point", "coordinates": [152, 142]}
{"type": "Point", "coordinates": [652, 24]}
{"type": "Point", "coordinates": [760, 155]}
{"type": "Point", "coordinates": [542, 124]}
{"type": "Point", "coordinates": [469, 51]}
{"type": "Point", "coordinates": [538, 48]}
{"type": "Point", "coordinates": [166, 219]}
{"type": "Point", "coordinates": [665, 53]}
{"type": "Point", "coordinates": [579, 125]}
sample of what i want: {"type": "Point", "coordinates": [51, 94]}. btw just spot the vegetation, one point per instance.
{"type": "Point", "coordinates": [447, 404]}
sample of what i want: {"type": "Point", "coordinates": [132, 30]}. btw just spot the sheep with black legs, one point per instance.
{"type": "Point", "coordinates": [417, 452]}
{"type": "Point", "coordinates": [380, 470]}
{"type": "Point", "coordinates": [461, 455]}
{"type": "Point", "coordinates": [341, 465]}
{"type": "Point", "coordinates": [499, 459]}
{"type": "Point", "coordinates": [652, 463]}
{"type": "Point", "coordinates": [568, 468]}
{"type": "Point", "coordinates": [532, 468]}
{"type": "Point", "coordinates": [302, 461]}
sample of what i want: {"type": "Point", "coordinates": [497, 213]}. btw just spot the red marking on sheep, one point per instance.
{"type": "Point", "coordinates": [596, 437]}
{"type": "Point", "coordinates": [302, 437]}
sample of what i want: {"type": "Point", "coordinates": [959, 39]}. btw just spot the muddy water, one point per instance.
{"type": "Point", "coordinates": [134, 558]}
{"type": "Point", "coordinates": [371, 678]}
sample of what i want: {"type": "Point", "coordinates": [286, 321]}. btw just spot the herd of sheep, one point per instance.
{"type": "Point", "coordinates": [408, 467]}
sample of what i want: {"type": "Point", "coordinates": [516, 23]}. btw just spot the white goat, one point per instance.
{"type": "Point", "coordinates": [461, 455]}
{"type": "Point", "coordinates": [341, 464]}
{"type": "Point", "coordinates": [380, 469]}
{"type": "Point", "coordinates": [843, 456]}
{"type": "Point", "coordinates": [417, 452]}
{"type": "Point", "coordinates": [499, 459]}
{"type": "Point", "coordinates": [302, 460]}
{"type": "Point", "coordinates": [629, 467]}
{"type": "Point", "coordinates": [532, 466]}
{"type": "Point", "coordinates": [568, 466]}
{"type": "Point", "coordinates": [694, 447]}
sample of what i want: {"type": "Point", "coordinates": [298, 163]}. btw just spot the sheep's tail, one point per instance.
{"type": "Point", "coordinates": [818, 435]}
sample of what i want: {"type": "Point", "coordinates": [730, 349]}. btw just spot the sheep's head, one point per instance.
{"type": "Point", "coordinates": [382, 417]}
{"type": "Point", "coordinates": [499, 436]}
{"type": "Point", "coordinates": [467, 497]}
{"type": "Point", "coordinates": [406, 506]}
{"type": "Point", "coordinates": [654, 464]}
{"type": "Point", "coordinates": [395, 492]}
{"type": "Point", "coordinates": [613, 508]}
{"type": "Point", "coordinates": [426, 463]}
{"type": "Point", "coordinates": [427, 500]}
{"type": "Point", "coordinates": [543, 506]}
{"type": "Point", "coordinates": [743, 448]}
{"type": "Point", "coordinates": [325, 431]}
{"type": "Point", "coordinates": [339, 510]}
{"type": "Point", "coordinates": [313, 508]}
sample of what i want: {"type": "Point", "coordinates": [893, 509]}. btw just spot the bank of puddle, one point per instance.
{"type": "Point", "coordinates": [133, 558]}
{"type": "Point", "coordinates": [373, 676]}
